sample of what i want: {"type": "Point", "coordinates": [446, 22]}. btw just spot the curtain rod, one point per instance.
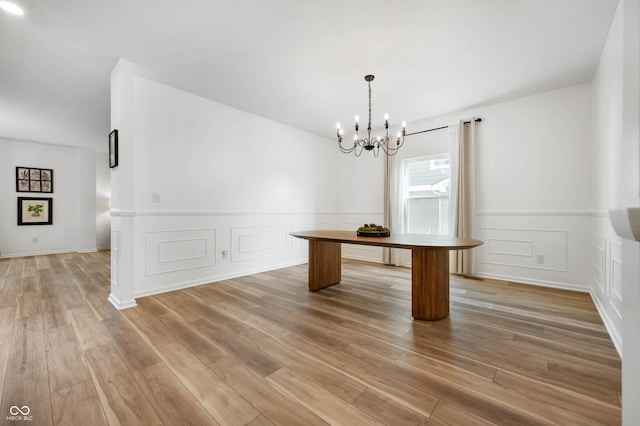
{"type": "Point", "coordinates": [439, 128]}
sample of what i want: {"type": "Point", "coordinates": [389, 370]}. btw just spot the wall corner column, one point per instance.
{"type": "Point", "coordinates": [630, 179]}
{"type": "Point", "coordinates": [123, 250]}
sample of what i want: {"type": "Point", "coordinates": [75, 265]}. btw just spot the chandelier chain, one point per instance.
{"type": "Point", "coordinates": [369, 127]}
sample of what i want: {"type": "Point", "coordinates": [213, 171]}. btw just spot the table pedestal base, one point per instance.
{"type": "Point", "coordinates": [325, 264]}
{"type": "Point", "coordinates": [429, 276]}
{"type": "Point", "coordinates": [429, 284]}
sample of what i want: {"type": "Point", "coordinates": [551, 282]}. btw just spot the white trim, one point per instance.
{"type": "Point", "coordinates": [541, 283]}
{"type": "Point", "coordinates": [565, 269]}
{"type": "Point", "coordinates": [154, 213]}
{"type": "Point", "coordinates": [493, 228]}
{"type": "Point", "coordinates": [213, 279]}
{"type": "Point", "coordinates": [506, 278]}
{"type": "Point", "coordinates": [608, 324]}
{"type": "Point", "coordinates": [514, 265]}
{"type": "Point", "coordinates": [585, 213]}
{"type": "Point", "coordinates": [530, 254]}
{"type": "Point", "coordinates": [121, 305]}
{"type": "Point", "coordinates": [91, 250]}
{"type": "Point", "coordinates": [38, 253]}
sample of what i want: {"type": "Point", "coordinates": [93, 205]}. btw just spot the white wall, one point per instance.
{"type": "Point", "coordinates": [533, 180]}
{"type": "Point", "coordinates": [631, 197]}
{"type": "Point", "coordinates": [533, 170]}
{"type": "Point", "coordinates": [359, 197]}
{"type": "Point", "coordinates": [86, 192]}
{"type": "Point", "coordinates": [200, 155]}
{"type": "Point", "coordinates": [73, 227]}
{"type": "Point", "coordinates": [207, 192]}
{"type": "Point", "coordinates": [606, 179]}
{"type": "Point", "coordinates": [616, 183]}
{"type": "Point", "coordinates": [103, 201]}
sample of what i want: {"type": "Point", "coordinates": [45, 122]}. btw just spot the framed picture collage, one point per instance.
{"type": "Point", "coordinates": [34, 210]}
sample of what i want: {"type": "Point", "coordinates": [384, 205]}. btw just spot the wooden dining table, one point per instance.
{"type": "Point", "coordinates": [429, 264]}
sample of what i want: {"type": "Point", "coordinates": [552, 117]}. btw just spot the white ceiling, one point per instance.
{"type": "Point", "coordinates": [298, 62]}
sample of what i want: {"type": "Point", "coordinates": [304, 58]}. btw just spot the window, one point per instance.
{"type": "Point", "coordinates": [425, 195]}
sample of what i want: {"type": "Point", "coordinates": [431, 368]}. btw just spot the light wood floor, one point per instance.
{"type": "Point", "coordinates": [262, 350]}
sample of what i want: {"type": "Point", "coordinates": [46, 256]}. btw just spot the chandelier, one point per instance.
{"type": "Point", "coordinates": [390, 146]}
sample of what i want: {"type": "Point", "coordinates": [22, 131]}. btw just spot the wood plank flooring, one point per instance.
{"type": "Point", "coordinates": [263, 350]}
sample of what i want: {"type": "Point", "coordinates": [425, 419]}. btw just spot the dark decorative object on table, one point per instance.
{"type": "Point", "coordinates": [373, 230]}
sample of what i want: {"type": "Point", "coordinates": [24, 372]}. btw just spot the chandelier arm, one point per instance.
{"type": "Point", "coordinates": [345, 150]}
{"type": "Point", "coordinates": [356, 152]}
{"type": "Point", "coordinates": [392, 150]}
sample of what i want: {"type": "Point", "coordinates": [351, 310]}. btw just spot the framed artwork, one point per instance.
{"type": "Point", "coordinates": [30, 179]}
{"type": "Point", "coordinates": [35, 211]}
{"type": "Point", "coordinates": [113, 148]}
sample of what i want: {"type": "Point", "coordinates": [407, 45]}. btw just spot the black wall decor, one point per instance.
{"type": "Point", "coordinates": [113, 148]}
{"type": "Point", "coordinates": [30, 179]}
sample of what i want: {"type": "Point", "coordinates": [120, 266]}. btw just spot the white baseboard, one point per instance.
{"type": "Point", "coordinates": [539, 283]}
{"type": "Point", "coordinates": [121, 305]}
{"type": "Point", "coordinates": [91, 250]}
{"type": "Point", "coordinates": [36, 253]}
{"type": "Point", "coordinates": [216, 278]}
{"type": "Point", "coordinates": [608, 324]}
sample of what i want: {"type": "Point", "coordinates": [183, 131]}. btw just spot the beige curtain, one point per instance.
{"type": "Point", "coordinates": [389, 255]}
{"type": "Point", "coordinates": [463, 201]}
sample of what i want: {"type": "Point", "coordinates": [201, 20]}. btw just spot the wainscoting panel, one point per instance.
{"type": "Point", "coordinates": [524, 248]}
{"type": "Point", "coordinates": [181, 249]}
{"type": "Point", "coordinates": [548, 248]}
{"type": "Point", "coordinates": [606, 267]}
{"type": "Point", "coordinates": [171, 251]}
{"type": "Point", "coordinates": [615, 295]}
{"type": "Point", "coordinates": [249, 243]}
{"type": "Point", "coordinates": [599, 256]}
{"type": "Point", "coordinates": [115, 257]}
{"type": "Point", "coordinates": [510, 247]}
